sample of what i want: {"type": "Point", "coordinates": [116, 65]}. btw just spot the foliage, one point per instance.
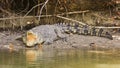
{"type": "Point", "coordinates": [57, 6]}
{"type": "Point", "coordinates": [21, 8]}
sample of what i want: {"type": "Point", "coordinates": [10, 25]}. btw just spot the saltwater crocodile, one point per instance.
{"type": "Point", "coordinates": [76, 28]}
{"type": "Point", "coordinates": [46, 34]}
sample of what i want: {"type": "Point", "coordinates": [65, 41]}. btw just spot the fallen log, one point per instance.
{"type": "Point", "coordinates": [75, 12]}
{"type": "Point", "coordinates": [24, 17]}
{"type": "Point", "coordinates": [71, 20]}
{"type": "Point", "coordinates": [107, 27]}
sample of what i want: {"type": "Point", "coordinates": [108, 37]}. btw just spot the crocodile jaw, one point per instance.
{"type": "Point", "coordinates": [30, 39]}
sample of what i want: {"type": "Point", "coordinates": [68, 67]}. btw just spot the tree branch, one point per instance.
{"type": "Point", "coordinates": [32, 9]}
{"type": "Point", "coordinates": [42, 8]}
{"type": "Point", "coordinates": [75, 12]}
{"type": "Point", "coordinates": [71, 20]}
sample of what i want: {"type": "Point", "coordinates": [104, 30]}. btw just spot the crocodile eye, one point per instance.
{"type": "Point", "coordinates": [29, 33]}
{"type": "Point", "coordinates": [31, 36]}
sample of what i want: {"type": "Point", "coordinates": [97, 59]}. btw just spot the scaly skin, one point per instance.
{"type": "Point", "coordinates": [45, 34]}
{"type": "Point", "coordinates": [50, 33]}
{"type": "Point", "coordinates": [30, 39]}
{"type": "Point", "coordinates": [86, 30]}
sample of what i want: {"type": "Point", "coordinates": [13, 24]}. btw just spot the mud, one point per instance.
{"type": "Point", "coordinates": [8, 38]}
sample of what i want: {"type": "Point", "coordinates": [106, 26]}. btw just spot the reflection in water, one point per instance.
{"type": "Point", "coordinates": [38, 58]}
{"type": "Point", "coordinates": [33, 55]}
{"type": "Point", "coordinates": [108, 66]}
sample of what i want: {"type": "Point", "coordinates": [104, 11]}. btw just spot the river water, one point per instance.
{"type": "Point", "coordinates": [31, 58]}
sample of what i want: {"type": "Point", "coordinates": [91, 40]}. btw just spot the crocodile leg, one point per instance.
{"type": "Point", "coordinates": [108, 35]}
{"type": "Point", "coordinates": [93, 32]}
{"type": "Point", "coordinates": [85, 29]}
{"type": "Point", "coordinates": [100, 32]}
{"type": "Point", "coordinates": [76, 28]}
{"type": "Point", "coordinates": [68, 29]}
{"type": "Point", "coordinates": [78, 31]}
{"type": "Point", "coordinates": [60, 35]}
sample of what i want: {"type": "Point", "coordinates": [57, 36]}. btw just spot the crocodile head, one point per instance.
{"type": "Point", "coordinates": [30, 38]}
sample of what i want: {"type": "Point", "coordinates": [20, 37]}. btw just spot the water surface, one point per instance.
{"type": "Point", "coordinates": [31, 58]}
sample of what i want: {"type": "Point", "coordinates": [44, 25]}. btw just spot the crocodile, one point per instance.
{"type": "Point", "coordinates": [76, 28]}
{"type": "Point", "coordinates": [47, 34]}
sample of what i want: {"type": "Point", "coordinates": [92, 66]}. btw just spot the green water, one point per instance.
{"type": "Point", "coordinates": [58, 59]}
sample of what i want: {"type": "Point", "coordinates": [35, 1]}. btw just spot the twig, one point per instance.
{"type": "Point", "coordinates": [75, 12]}
{"type": "Point", "coordinates": [32, 9]}
{"type": "Point", "coordinates": [107, 27]}
{"type": "Point", "coordinates": [5, 11]}
{"type": "Point", "coordinates": [71, 20]}
{"type": "Point", "coordinates": [42, 8]}
{"type": "Point", "coordinates": [63, 6]}
{"type": "Point", "coordinates": [24, 17]}
{"type": "Point", "coordinates": [25, 8]}
{"type": "Point", "coordinates": [56, 6]}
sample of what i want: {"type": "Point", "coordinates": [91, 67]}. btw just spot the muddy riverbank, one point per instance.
{"type": "Point", "coordinates": [8, 42]}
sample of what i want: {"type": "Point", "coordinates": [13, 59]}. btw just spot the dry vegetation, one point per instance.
{"type": "Point", "coordinates": [20, 13]}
